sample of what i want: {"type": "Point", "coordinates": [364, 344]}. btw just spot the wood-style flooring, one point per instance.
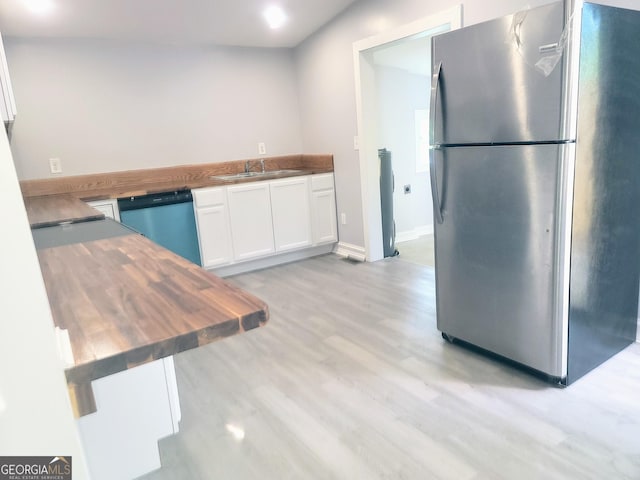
{"type": "Point", "coordinates": [350, 379]}
{"type": "Point", "coordinates": [418, 251]}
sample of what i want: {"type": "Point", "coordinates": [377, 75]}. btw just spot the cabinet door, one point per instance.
{"type": "Point", "coordinates": [325, 227]}
{"type": "Point", "coordinates": [291, 213]}
{"type": "Point", "coordinates": [323, 209]}
{"type": "Point", "coordinates": [213, 235]}
{"type": "Point", "coordinates": [250, 219]}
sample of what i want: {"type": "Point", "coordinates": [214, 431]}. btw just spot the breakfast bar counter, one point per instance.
{"type": "Point", "coordinates": [125, 301]}
{"type": "Point", "coordinates": [123, 306]}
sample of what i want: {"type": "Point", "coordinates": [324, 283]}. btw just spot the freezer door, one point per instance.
{"type": "Point", "coordinates": [495, 251]}
{"type": "Point", "coordinates": [488, 88]}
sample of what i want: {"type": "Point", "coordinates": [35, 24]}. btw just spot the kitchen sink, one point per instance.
{"type": "Point", "coordinates": [282, 172]}
{"type": "Point", "coordinates": [235, 176]}
{"type": "Point", "coordinates": [241, 175]}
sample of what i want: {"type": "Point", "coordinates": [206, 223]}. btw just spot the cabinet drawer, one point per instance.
{"type": "Point", "coordinates": [205, 197]}
{"type": "Point", "coordinates": [322, 182]}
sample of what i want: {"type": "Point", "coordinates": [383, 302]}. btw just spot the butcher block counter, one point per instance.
{"type": "Point", "coordinates": [122, 299]}
{"type": "Point", "coordinates": [125, 301]}
{"type": "Point", "coordinates": [50, 210]}
{"type": "Point", "coordinates": [141, 182]}
{"type": "Point", "coordinates": [125, 305]}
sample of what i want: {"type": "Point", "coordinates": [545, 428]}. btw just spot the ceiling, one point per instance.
{"type": "Point", "coordinates": [218, 22]}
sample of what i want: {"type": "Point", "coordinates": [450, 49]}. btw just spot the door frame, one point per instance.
{"type": "Point", "coordinates": [366, 114]}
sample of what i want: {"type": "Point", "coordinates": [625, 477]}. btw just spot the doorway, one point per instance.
{"type": "Point", "coordinates": [393, 73]}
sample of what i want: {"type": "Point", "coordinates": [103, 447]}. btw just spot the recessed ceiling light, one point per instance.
{"type": "Point", "coordinates": [39, 7]}
{"type": "Point", "coordinates": [275, 16]}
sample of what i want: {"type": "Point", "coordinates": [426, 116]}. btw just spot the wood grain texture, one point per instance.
{"type": "Point", "coordinates": [352, 380]}
{"type": "Point", "coordinates": [46, 211]}
{"type": "Point", "coordinates": [82, 399]}
{"type": "Point", "coordinates": [126, 301]}
{"type": "Point", "coordinates": [141, 182]}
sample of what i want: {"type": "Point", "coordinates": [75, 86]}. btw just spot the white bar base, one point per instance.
{"type": "Point", "coordinates": [136, 408]}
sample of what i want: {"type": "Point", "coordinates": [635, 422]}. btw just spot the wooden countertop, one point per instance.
{"type": "Point", "coordinates": [49, 210]}
{"type": "Point", "coordinates": [54, 209]}
{"type": "Point", "coordinates": [180, 177]}
{"type": "Point", "coordinates": [126, 301]}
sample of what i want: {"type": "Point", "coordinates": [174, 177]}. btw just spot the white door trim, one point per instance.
{"type": "Point", "coordinates": [365, 78]}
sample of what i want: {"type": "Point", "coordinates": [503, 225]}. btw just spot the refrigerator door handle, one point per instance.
{"type": "Point", "coordinates": [434, 186]}
{"type": "Point", "coordinates": [435, 83]}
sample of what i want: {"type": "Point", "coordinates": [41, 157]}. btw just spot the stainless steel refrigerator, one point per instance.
{"type": "Point", "coordinates": [535, 173]}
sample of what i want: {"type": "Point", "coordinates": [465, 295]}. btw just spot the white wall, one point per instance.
{"type": "Point", "coordinates": [103, 106]}
{"type": "Point", "coordinates": [35, 412]}
{"type": "Point", "coordinates": [325, 73]}
{"type": "Point", "coordinates": [399, 94]}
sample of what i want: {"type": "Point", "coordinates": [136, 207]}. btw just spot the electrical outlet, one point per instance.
{"type": "Point", "coordinates": [356, 143]}
{"type": "Point", "coordinates": [55, 165]}
{"type": "Point", "coordinates": [262, 149]}
{"type": "Point", "coordinates": [343, 218]}
{"type": "Point", "coordinates": [407, 189]}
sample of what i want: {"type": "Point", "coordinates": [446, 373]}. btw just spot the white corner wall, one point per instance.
{"type": "Point", "coordinates": [325, 73]}
{"type": "Point", "coordinates": [35, 411]}
{"type": "Point", "coordinates": [104, 106]}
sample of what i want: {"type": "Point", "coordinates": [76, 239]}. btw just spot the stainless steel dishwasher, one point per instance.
{"type": "Point", "coordinates": [166, 218]}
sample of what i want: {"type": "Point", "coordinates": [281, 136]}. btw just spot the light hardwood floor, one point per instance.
{"type": "Point", "coordinates": [418, 251]}
{"type": "Point", "coordinates": [351, 380]}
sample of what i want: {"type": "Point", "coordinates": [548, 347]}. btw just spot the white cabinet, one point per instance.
{"type": "Point", "coordinates": [291, 213]}
{"type": "Point", "coordinates": [250, 219]}
{"type": "Point", "coordinates": [212, 221]}
{"type": "Point", "coordinates": [259, 224]}
{"type": "Point", "coordinates": [136, 408]}
{"type": "Point", "coordinates": [109, 207]}
{"type": "Point", "coordinates": [323, 209]}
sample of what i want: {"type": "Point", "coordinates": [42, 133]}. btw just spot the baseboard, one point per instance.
{"type": "Point", "coordinates": [349, 250]}
{"type": "Point", "coordinates": [414, 234]}
{"type": "Point", "coordinates": [272, 261]}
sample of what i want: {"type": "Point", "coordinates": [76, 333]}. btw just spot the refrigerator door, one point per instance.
{"type": "Point", "coordinates": [488, 89]}
{"type": "Point", "coordinates": [495, 250]}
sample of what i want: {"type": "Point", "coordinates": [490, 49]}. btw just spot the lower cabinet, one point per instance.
{"type": "Point", "coordinates": [212, 223]}
{"type": "Point", "coordinates": [291, 213]}
{"type": "Point", "coordinates": [323, 208]}
{"type": "Point", "coordinates": [250, 219]}
{"type": "Point", "coordinates": [253, 221]}
{"type": "Point", "coordinates": [136, 408]}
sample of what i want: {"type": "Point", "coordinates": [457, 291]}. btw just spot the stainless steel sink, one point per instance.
{"type": "Point", "coordinates": [269, 173]}
{"type": "Point", "coordinates": [235, 176]}
{"type": "Point", "coordinates": [282, 172]}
